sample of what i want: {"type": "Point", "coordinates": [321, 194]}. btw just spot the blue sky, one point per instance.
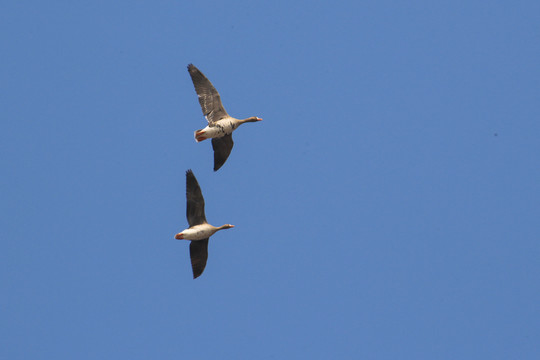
{"type": "Point", "coordinates": [386, 208]}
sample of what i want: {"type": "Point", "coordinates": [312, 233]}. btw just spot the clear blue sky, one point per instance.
{"type": "Point", "coordinates": [388, 206]}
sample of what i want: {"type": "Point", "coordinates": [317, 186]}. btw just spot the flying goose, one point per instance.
{"type": "Point", "coordinates": [199, 230]}
{"type": "Point", "coordinates": [220, 124]}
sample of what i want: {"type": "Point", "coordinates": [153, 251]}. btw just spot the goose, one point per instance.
{"type": "Point", "coordinates": [199, 230]}
{"type": "Point", "coordinates": [220, 124]}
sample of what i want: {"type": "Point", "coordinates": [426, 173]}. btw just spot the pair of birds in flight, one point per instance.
{"type": "Point", "coordinates": [219, 129]}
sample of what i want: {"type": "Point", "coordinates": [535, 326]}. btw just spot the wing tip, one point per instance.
{"type": "Point", "coordinates": [219, 160]}
{"type": "Point", "coordinates": [192, 69]}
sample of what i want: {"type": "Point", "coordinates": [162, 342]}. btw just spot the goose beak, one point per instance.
{"type": "Point", "coordinates": [179, 236]}
{"type": "Point", "coordinates": [259, 119]}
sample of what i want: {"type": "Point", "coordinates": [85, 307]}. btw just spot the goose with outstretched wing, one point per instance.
{"type": "Point", "coordinates": [199, 230]}
{"type": "Point", "coordinates": [220, 124]}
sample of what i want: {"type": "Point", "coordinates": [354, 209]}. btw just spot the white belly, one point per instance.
{"type": "Point", "coordinates": [198, 232]}
{"type": "Point", "coordinates": [220, 128]}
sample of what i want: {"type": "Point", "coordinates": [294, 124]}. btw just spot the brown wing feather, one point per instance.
{"type": "Point", "coordinates": [209, 98]}
{"type": "Point", "coordinates": [195, 201]}
{"type": "Point", "coordinates": [198, 251]}
{"type": "Point", "coordinates": [222, 148]}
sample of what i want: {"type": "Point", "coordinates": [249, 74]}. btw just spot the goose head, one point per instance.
{"type": "Point", "coordinates": [251, 119]}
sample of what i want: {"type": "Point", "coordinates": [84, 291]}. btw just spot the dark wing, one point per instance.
{"type": "Point", "coordinates": [222, 148]}
{"type": "Point", "coordinates": [208, 96]}
{"type": "Point", "coordinates": [195, 201]}
{"type": "Point", "coordinates": [198, 251]}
